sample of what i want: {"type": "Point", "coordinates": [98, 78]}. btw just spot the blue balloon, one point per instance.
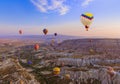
{"type": "Point", "coordinates": [29, 62]}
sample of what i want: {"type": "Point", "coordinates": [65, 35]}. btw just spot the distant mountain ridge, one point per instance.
{"type": "Point", "coordinates": [41, 37]}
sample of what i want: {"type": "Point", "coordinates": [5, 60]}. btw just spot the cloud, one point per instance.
{"type": "Point", "coordinates": [60, 6]}
{"type": "Point", "coordinates": [86, 2]}
{"type": "Point", "coordinates": [52, 5]}
{"type": "Point", "coordinates": [40, 4]}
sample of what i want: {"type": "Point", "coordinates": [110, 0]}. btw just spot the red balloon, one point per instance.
{"type": "Point", "coordinates": [20, 31]}
{"type": "Point", "coordinates": [36, 46]}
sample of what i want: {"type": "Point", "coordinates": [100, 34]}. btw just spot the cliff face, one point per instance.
{"type": "Point", "coordinates": [91, 76]}
{"type": "Point", "coordinates": [11, 72]}
{"type": "Point", "coordinates": [85, 62]}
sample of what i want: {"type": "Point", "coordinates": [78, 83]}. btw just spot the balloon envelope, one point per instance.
{"type": "Point", "coordinates": [56, 71]}
{"type": "Point", "coordinates": [21, 82]}
{"type": "Point", "coordinates": [92, 51]}
{"type": "Point", "coordinates": [67, 76]}
{"type": "Point", "coordinates": [36, 46]}
{"type": "Point", "coordinates": [55, 34]}
{"type": "Point", "coordinates": [90, 40]}
{"type": "Point", "coordinates": [45, 31]}
{"type": "Point", "coordinates": [87, 19]}
{"type": "Point", "coordinates": [29, 62]}
{"type": "Point", "coordinates": [20, 31]}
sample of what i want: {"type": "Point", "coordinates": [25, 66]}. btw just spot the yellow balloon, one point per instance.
{"type": "Point", "coordinates": [91, 51]}
{"type": "Point", "coordinates": [86, 19]}
{"type": "Point", "coordinates": [21, 82]}
{"type": "Point", "coordinates": [56, 70]}
{"type": "Point", "coordinates": [67, 76]}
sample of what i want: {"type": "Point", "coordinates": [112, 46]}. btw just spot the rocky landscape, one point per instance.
{"type": "Point", "coordinates": [11, 72]}
{"type": "Point", "coordinates": [85, 61]}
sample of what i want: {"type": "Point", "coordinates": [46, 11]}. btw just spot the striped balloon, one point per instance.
{"type": "Point", "coordinates": [86, 19]}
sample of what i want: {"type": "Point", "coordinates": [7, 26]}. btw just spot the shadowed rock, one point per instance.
{"type": "Point", "coordinates": [12, 72]}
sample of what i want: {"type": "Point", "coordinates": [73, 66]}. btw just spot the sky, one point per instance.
{"type": "Point", "coordinates": [61, 16]}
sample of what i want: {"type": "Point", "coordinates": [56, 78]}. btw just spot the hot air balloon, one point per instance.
{"type": "Point", "coordinates": [3, 58]}
{"type": "Point", "coordinates": [36, 46]}
{"type": "Point", "coordinates": [20, 32]}
{"type": "Point", "coordinates": [11, 82]}
{"type": "Point", "coordinates": [92, 51]}
{"type": "Point", "coordinates": [29, 62]}
{"type": "Point", "coordinates": [111, 71]}
{"type": "Point", "coordinates": [45, 31]}
{"type": "Point", "coordinates": [90, 40]}
{"type": "Point", "coordinates": [56, 71]}
{"type": "Point", "coordinates": [87, 19]}
{"type": "Point", "coordinates": [52, 41]}
{"type": "Point", "coordinates": [67, 76]}
{"type": "Point", "coordinates": [55, 34]}
{"type": "Point", "coordinates": [21, 82]}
